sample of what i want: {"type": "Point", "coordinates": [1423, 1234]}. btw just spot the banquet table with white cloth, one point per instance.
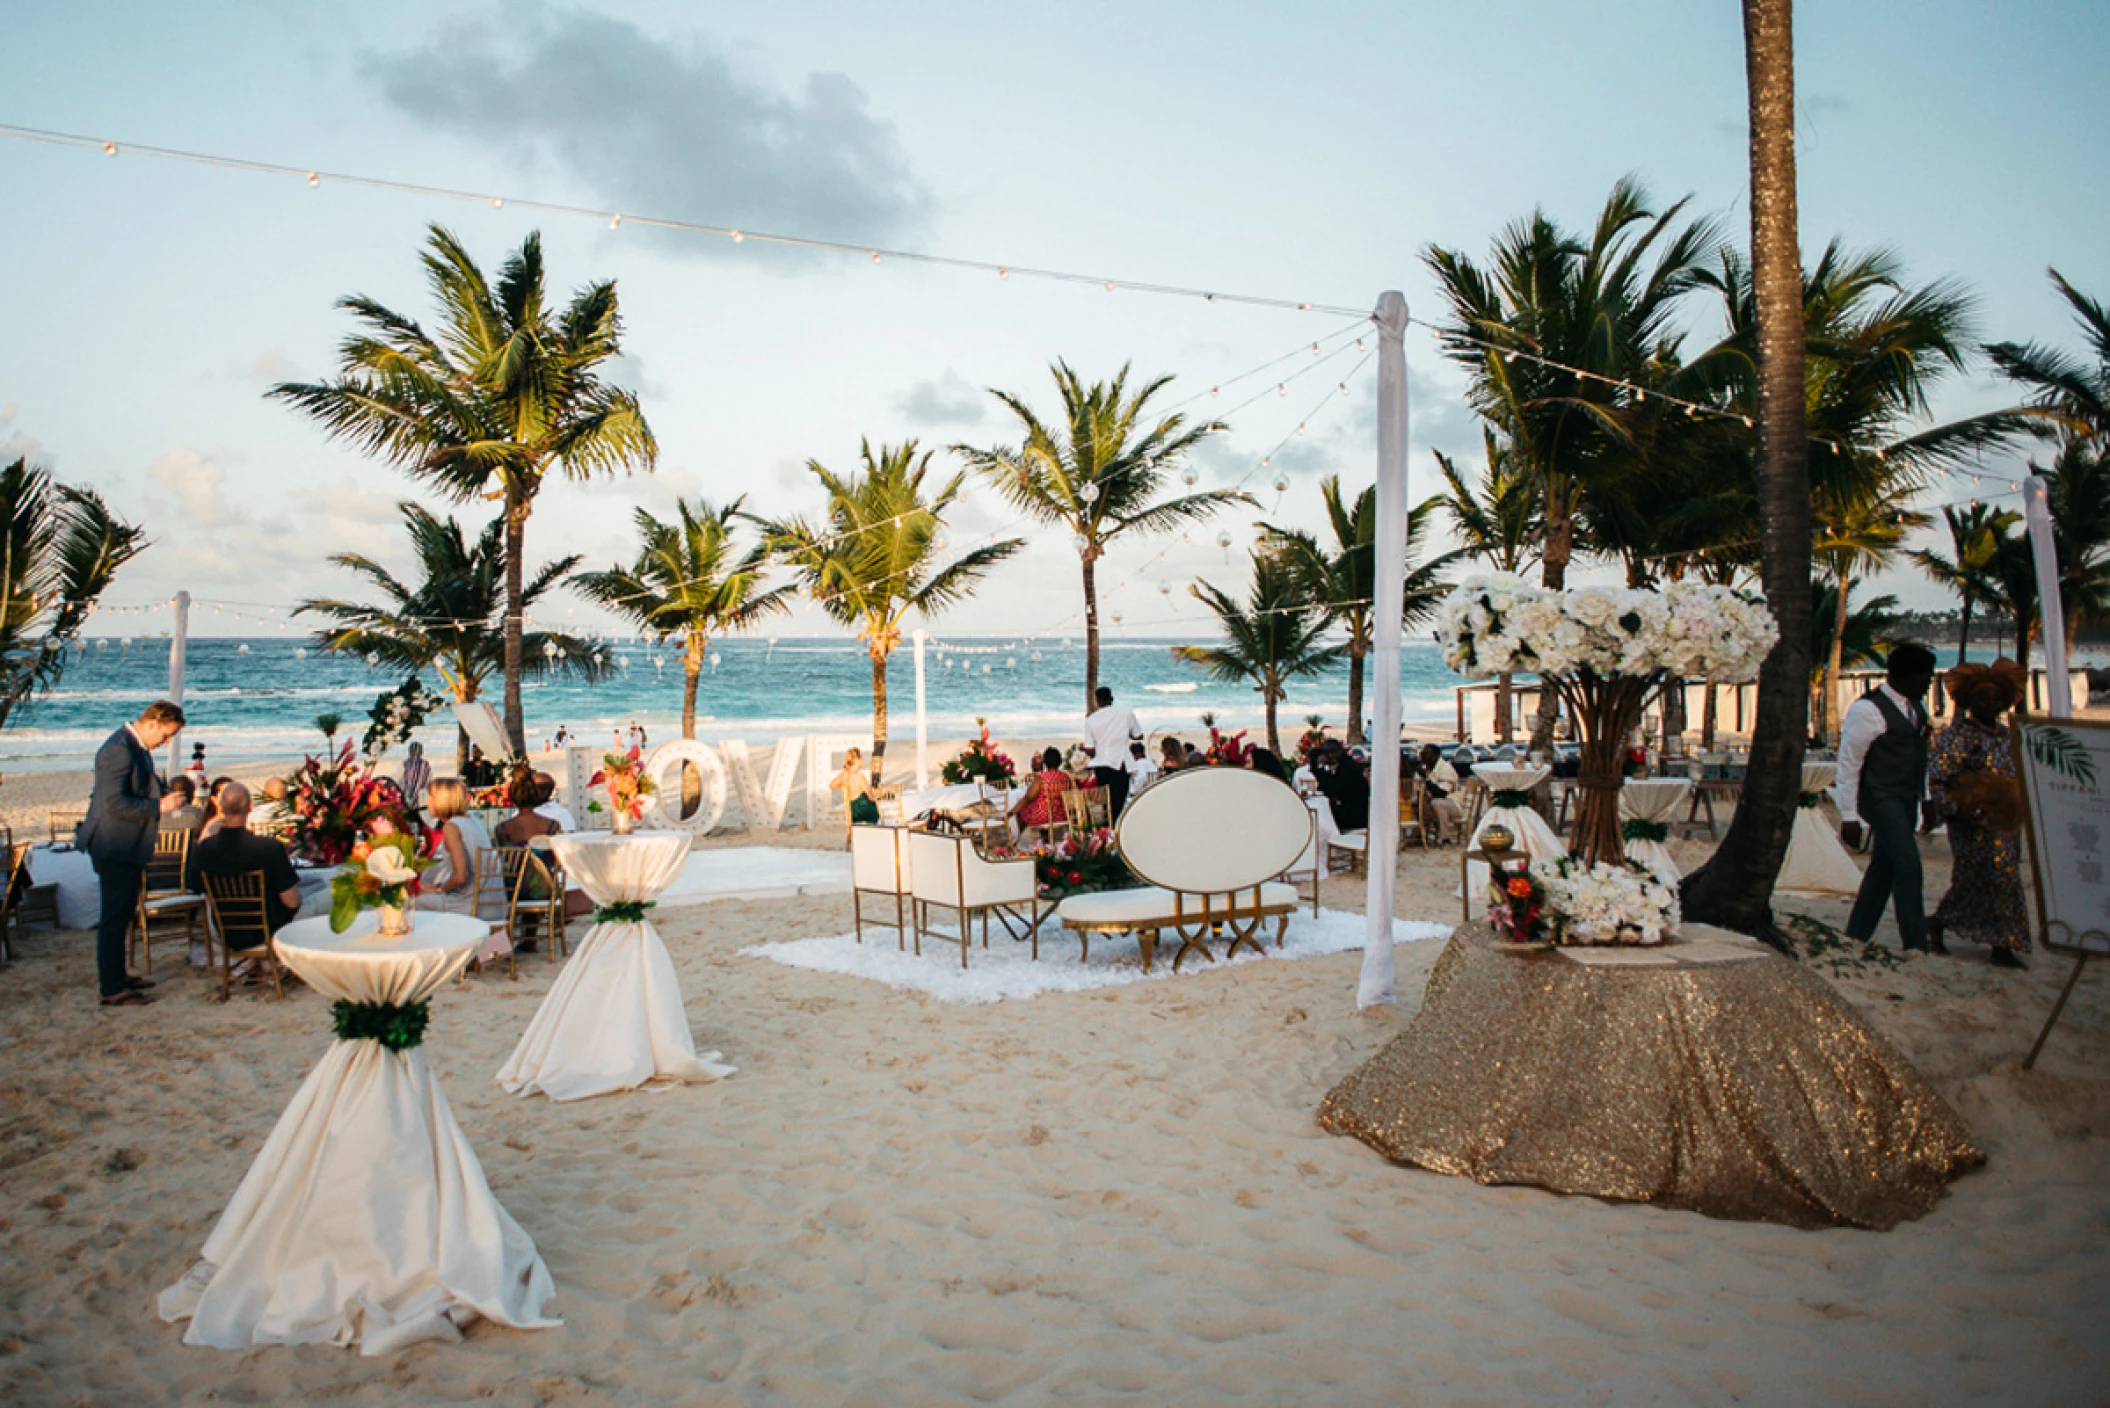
{"type": "Point", "coordinates": [1533, 836]}
{"type": "Point", "coordinates": [955, 798]}
{"type": "Point", "coordinates": [80, 892]}
{"type": "Point", "coordinates": [365, 1218]}
{"type": "Point", "coordinates": [1324, 828]}
{"type": "Point", "coordinates": [614, 1019]}
{"type": "Point", "coordinates": [1817, 862]}
{"type": "Point", "coordinates": [1653, 800]}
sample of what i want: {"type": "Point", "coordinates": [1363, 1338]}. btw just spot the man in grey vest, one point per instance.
{"type": "Point", "coordinates": [1882, 778]}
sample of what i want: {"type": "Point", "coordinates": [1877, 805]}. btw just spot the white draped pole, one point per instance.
{"type": "Point", "coordinates": [922, 723]}
{"type": "Point", "coordinates": [2036, 509]}
{"type": "Point", "coordinates": [179, 646]}
{"type": "Point", "coordinates": [1382, 839]}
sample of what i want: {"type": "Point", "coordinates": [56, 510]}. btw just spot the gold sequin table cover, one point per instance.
{"type": "Point", "coordinates": [1711, 1075]}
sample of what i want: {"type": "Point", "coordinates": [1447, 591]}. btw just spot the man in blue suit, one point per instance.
{"type": "Point", "coordinates": [124, 813]}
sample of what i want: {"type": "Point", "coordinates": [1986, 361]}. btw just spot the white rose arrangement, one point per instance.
{"type": "Point", "coordinates": [1605, 904]}
{"type": "Point", "coordinates": [1501, 624]}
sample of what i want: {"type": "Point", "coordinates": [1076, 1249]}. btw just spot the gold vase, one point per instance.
{"type": "Point", "coordinates": [395, 918]}
{"type": "Point", "coordinates": [621, 822]}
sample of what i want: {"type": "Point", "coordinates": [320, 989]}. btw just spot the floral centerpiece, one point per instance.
{"type": "Point", "coordinates": [1604, 650]}
{"type": "Point", "coordinates": [334, 802]}
{"type": "Point", "coordinates": [1565, 901]}
{"type": "Point", "coordinates": [1075, 866]}
{"type": "Point", "coordinates": [396, 715]}
{"type": "Point", "coordinates": [1311, 740]}
{"type": "Point", "coordinates": [380, 873]}
{"type": "Point", "coordinates": [1226, 752]}
{"type": "Point", "coordinates": [622, 776]}
{"type": "Point", "coordinates": [1635, 764]}
{"type": "Point", "coordinates": [983, 761]}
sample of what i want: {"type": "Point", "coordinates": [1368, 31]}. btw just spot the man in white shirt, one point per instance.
{"type": "Point", "coordinates": [1108, 731]}
{"type": "Point", "coordinates": [1882, 777]}
{"type": "Point", "coordinates": [1142, 769]}
{"type": "Point", "coordinates": [553, 809]}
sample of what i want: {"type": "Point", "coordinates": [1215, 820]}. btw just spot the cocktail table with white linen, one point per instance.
{"type": "Point", "coordinates": [1505, 808]}
{"type": "Point", "coordinates": [1817, 863]}
{"type": "Point", "coordinates": [614, 1019]}
{"type": "Point", "coordinates": [1651, 802]}
{"type": "Point", "coordinates": [365, 1218]}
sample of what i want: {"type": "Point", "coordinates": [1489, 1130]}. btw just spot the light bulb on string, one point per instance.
{"type": "Point", "coordinates": [615, 222]}
{"type": "Point", "coordinates": [314, 180]}
{"type": "Point", "coordinates": [1190, 476]}
{"type": "Point", "coordinates": [1281, 482]}
{"type": "Point", "coordinates": [1089, 494]}
{"type": "Point", "coordinates": [1079, 541]}
{"type": "Point", "coordinates": [109, 149]}
{"type": "Point", "coordinates": [498, 202]}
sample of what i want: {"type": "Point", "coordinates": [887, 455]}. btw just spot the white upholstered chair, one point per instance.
{"type": "Point", "coordinates": [879, 866]}
{"type": "Point", "coordinates": [948, 872]}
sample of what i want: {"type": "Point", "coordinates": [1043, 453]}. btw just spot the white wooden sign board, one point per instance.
{"type": "Point", "coordinates": [2065, 767]}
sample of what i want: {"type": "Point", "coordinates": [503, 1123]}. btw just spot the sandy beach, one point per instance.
{"type": "Point", "coordinates": [1114, 1196]}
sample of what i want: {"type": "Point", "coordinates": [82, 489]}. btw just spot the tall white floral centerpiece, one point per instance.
{"type": "Point", "coordinates": [1605, 650]}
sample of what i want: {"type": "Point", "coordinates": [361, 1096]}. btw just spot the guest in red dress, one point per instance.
{"type": "Point", "coordinates": [1043, 805]}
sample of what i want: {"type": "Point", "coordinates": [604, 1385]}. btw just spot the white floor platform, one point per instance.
{"type": "Point", "coordinates": [758, 873]}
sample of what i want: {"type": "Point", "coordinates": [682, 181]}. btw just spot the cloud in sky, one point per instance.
{"type": "Point", "coordinates": [949, 400]}
{"type": "Point", "coordinates": [689, 136]}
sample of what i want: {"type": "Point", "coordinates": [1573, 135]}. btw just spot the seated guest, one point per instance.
{"type": "Point", "coordinates": [1195, 757]}
{"type": "Point", "coordinates": [530, 820]}
{"type": "Point", "coordinates": [1174, 755]}
{"type": "Point", "coordinates": [271, 813]}
{"type": "Point", "coordinates": [552, 808]}
{"type": "Point", "coordinates": [1141, 770]}
{"type": "Point", "coordinates": [186, 814]}
{"type": "Point", "coordinates": [1043, 804]}
{"type": "Point", "coordinates": [417, 775]}
{"type": "Point", "coordinates": [212, 823]}
{"type": "Point", "coordinates": [236, 850]}
{"type": "Point", "coordinates": [1439, 781]}
{"type": "Point", "coordinates": [479, 773]}
{"type": "Point", "coordinates": [856, 786]}
{"type": "Point", "coordinates": [1346, 789]}
{"type": "Point", "coordinates": [449, 883]}
{"type": "Point", "coordinates": [1263, 760]}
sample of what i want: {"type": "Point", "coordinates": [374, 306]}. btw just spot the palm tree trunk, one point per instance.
{"type": "Point", "coordinates": [691, 675]}
{"type": "Point", "coordinates": [1355, 693]}
{"type": "Point", "coordinates": [1504, 724]}
{"type": "Point", "coordinates": [1270, 694]}
{"type": "Point", "coordinates": [1963, 635]}
{"type": "Point", "coordinates": [516, 549]}
{"type": "Point", "coordinates": [878, 718]}
{"type": "Point", "coordinates": [1734, 889]}
{"type": "Point", "coordinates": [1091, 632]}
{"type": "Point", "coordinates": [1834, 687]}
{"type": "Point", "coordinates": [1553, 574]}
{"type": "Point", "coordinates": [1710, 714]}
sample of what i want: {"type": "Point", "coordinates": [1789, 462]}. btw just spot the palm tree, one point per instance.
{"type": "Point", "coordinates": [1975, 534]}
{"type": "Point", "coordinates": [1272, 639]}
{"type": "Point", "coordinates": [503, 395]}
{"type": "Point", "coordinates": [1867, 630]}
{"type": "Point", "coordinates": [871, 557]}
{"type": "Point", "coordinates": [1857, 531]}
{"type": "Point", "coordinates": [689, 582]}
{"type": "Point", "coordinates": [450, 618]}
{"type": "Point", "coordinates": [1734, 888]}
{"type": "Point", "coordinates": [1340, 576]}
{"type": "Point", "coordinates": [1499, 524]}
{"type": "Point", "coordinates": [2066, 387]}
{"type": "Point", "coordinates": [1098, 471]}
{"type": "Point", "coordinates": [62, 548]}
{"type": "Point", "coordinates": [1600, 316]}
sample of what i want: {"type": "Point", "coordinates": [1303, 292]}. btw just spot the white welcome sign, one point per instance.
{"type": "Point", "coordinates": [2065, 768]}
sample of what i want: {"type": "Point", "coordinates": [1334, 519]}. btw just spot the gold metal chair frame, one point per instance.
{"type": "Point", "coordinates": [162, 896]}
{"type": "Point", "coordinates": [1006, 916]}
{"type": "Point", "coordinates": [1194, 931]}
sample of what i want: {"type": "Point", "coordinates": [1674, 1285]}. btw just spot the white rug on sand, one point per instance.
{"type": "Point", "coordinates": [1005, 971]}
{"type": "Point", "coordinates": [757, 873]}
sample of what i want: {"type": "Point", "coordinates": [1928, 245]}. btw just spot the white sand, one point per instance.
{"type": "Point", "coordinates": [1089, 1197]}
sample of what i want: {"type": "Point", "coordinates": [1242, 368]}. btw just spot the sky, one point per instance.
{"type": "Point", "coordinates": [1308, 154]}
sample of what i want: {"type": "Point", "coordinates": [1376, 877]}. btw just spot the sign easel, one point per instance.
{"type": "Point", "coordinates": [2064, 765]}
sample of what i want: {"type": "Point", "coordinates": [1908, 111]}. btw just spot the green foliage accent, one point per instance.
{"type": "Point", "coordinates": [2060, 751]}
{"type": "Point", "coordinates": [1809, 801]}
{"type": "Point", "coordinates": [1817, 942]}
{"type": "Point", "coordinates": [625, 912]}
{"type": "Point", "coordinates": [1636, 829]}
{"type": "Point", "coordinates": [397, 1028]}
{"type": "Point", "coordinates": [1510, 797]}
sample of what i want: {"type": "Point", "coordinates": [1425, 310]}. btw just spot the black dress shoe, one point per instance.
{"type": "Point", "coordinates": [2008, 958]}
{"type": "Point", "coordinates": [1935, 945]}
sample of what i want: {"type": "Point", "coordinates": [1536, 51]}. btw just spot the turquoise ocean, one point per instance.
{"type": "Point", "coordinates": [256, 699]}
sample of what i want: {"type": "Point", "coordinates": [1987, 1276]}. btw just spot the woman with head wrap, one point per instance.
{"type": "Point", "coordinates": [1972, 785]}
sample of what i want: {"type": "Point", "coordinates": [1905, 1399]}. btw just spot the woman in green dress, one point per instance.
{"type": "Point", "coordinates": [856, 789]}
{"type": "Point", "coordinates": [1972, 784]}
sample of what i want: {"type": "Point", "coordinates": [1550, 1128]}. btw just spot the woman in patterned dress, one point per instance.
{"type": "Point", "coordinates": [1972, 784]}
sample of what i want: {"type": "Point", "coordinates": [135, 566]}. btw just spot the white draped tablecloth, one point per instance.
{"type": "Point", "coordinates": [1817, 861]}
{"type": "Point", "coordinates": [80, 892]}
{"type": "Point", "coordinates": [1653, 799]}
{"type": "Point", "coordinates": [365, 1218]}
{"type": "Point", "coordinates": [614, 1019]}
{"type": "Point", "coordinates": [1324, 827]}
{"type": "Point", "coordinates": [955, 797]}
{"type": "Point", "coordinates": [1533, 836]}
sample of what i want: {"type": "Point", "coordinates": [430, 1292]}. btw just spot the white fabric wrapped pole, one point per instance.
{"type": "Point", "coordinates": [614, 1018]}
{"type": "Point", "coordinates": [1375, 984]}
{"type": "Point", "coordinates": [365, 1218]}
{"type": "Point", "coordinates": [2058, 679]}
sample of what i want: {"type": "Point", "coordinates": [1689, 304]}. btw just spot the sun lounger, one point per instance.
{"type": "Point", "coordinates": [1211, 843]}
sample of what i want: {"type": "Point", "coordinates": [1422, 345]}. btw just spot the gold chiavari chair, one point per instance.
{"type": "Point", "coordinates": [63, 824]}
{"type": "Point", "coordinates": [534, 899]}
{"type": "Point", "coordinates": [162, 898]}
{"type": "Point", "coordinates": [242, 919]}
